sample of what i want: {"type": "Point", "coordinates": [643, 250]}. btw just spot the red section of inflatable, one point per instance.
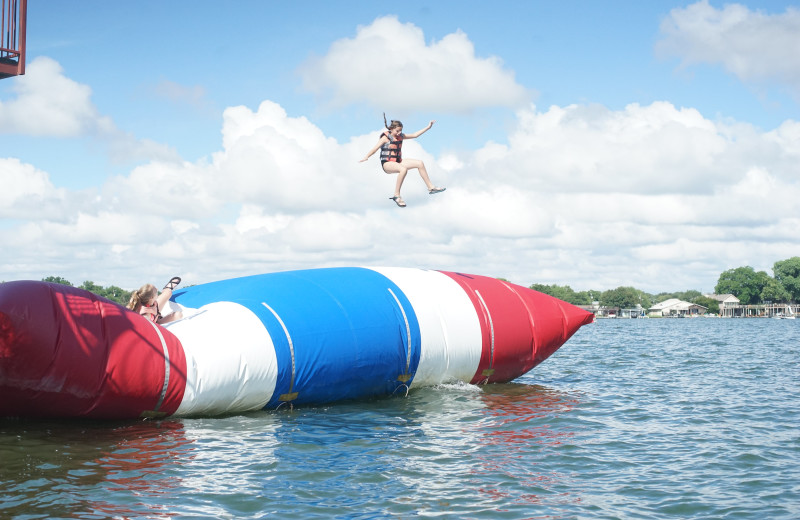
{"type": "Point", "coordinates": [520, 327]}
{"type": "Point", "coordinates": [65, 352]}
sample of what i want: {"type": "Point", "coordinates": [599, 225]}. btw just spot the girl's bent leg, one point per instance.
{"type": "Point", "coordinates": [423, 172]}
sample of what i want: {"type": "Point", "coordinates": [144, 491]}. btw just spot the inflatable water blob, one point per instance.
{"type": "Point", "coordinates": [267, 341]}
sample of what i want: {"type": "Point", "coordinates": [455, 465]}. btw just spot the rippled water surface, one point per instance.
{"type": "Point", "coordinates": [693, 418]}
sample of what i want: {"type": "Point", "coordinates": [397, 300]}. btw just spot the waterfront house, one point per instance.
{"type": "Point", "coordinates": [676, 308]}
{"type": "Point", "coordinates": [728, 304]}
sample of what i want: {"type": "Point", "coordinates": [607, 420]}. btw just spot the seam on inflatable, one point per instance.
{"type": "Point", "coordinates": [405, 376]}
{"type": "Point", "coordinates": [489, 371]}
{"type": "Point", "coordinates": [166, 367]}
{"type": "Point", "coordinates": [290, 395]}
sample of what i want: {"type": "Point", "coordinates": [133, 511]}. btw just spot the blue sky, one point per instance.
{"type": "Point", "coordinates": [651, 144]}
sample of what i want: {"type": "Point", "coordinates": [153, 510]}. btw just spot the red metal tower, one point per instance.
{"type": "Point", "coordinates": [12, 31]}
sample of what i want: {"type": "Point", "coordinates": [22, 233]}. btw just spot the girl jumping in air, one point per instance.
{"type": "Point", "coordinates": [391, 146]}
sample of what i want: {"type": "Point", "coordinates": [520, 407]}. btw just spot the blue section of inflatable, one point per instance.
{"type": "Point", "coordinates": [339, 333]}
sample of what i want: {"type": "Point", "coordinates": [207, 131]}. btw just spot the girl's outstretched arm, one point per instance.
{"type": "Point", "coordinates": [420, 132]}
{"type": "Point", "coordinates": [375, 148]}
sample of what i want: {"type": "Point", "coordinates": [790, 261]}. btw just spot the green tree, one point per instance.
{"type": "Point", "coordinates": [543, 288]}
{"type": "Point", "coordinates": [556, 291]}
{"type": "Point", "coordinates": [564, 292]}
{"type": "Point", "coordinates": [90, 286]}
{"type": "Point", "coordinates": [787, 273]}
{"type": "Point", "coordinates": [662, 297]}
{"type": "Point", "coordinates": [690, 295]}
{"type": "Point", "coordinates": [113, 293]}
{"type": "Point", "coordinates": [57, 279]}
{"type": "Point", "coordinates": [583, 298]}
{"type": "Point", "coordinates": [710, 304]}
{"type": "Point", "coordinates": [775, 292]}
{"type": "Point", "coordinates": [622, 297]}
{"type": "Point", "coordinates": [687, 296]}
{"type": "Point", "coordinates": [744, 283]}
{"type": "Point", "coordinates": [116, 294]}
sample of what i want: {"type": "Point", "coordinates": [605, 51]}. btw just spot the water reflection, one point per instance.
{"type": "Point", "coordinates": [453, 449]}
{"type": "Point", "coordinates": [462, 447]}
{"type": "Point", "coordinates": [523, 431]}
{"type": "Point", "coordinates": [67, 469]}
{"type": "Point", "coordinates": [520, 413]}
{"type": "Point", "coordinates": [140, 466]}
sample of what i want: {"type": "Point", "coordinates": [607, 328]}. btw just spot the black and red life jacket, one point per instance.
{"type": "Point", "coordinates": [393, 150]}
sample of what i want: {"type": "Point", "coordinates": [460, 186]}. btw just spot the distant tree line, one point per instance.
{"type": "Point", "coordinates": [753, 287]}
{"type": "Point", "coordinates": [112, 292]}
{"type": "Point", "coordinates": [749, 286]}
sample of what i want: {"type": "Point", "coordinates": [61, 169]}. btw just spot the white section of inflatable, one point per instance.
{"type": "Point", "coordinates": [171, 307]}
{"type": "Point", "coordinates": [449, 328]}
{"type": "Point", "coordinates": [230, 360]}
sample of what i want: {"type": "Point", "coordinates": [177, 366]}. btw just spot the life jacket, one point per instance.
{"type": "Point", "coordinates": [393, 150]}
{"type": "Point", "coordinates": [154, 317]}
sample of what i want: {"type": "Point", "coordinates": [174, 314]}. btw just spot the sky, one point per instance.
{"type": "Point", "coordinates": [591, 144]}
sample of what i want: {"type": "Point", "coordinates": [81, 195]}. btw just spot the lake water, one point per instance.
{"type": "Point", "coordinates": [658, 418]}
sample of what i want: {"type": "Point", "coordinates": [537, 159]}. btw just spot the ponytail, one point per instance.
{"type": "Point", "coordinates": [141, 295]}
{"type": "Point", "coordinates": [391, 125]}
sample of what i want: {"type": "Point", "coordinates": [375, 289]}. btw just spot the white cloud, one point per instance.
{"type": "Point", "coordinates": [652, 149]}
{"type": "Point", "coordinates": [654, 196]}
{"type": "Point", "coordinates": [27, 193]}
{"type": "Point", "coordinates": [48, 103]}
{"type": "Point", "coordinates": [389, 65]}
{"type": "Point", "coordinates": [754, 46]}
{"type": "Point", "coordinates": [20, 181]}
{"type": "Point", "coordinates": [268, 160]}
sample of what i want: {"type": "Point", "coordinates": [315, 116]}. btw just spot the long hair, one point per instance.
{"type": "Point", "coordinates": [142, 295]}
{"type": "Point", "coordinates": [394, 123]}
